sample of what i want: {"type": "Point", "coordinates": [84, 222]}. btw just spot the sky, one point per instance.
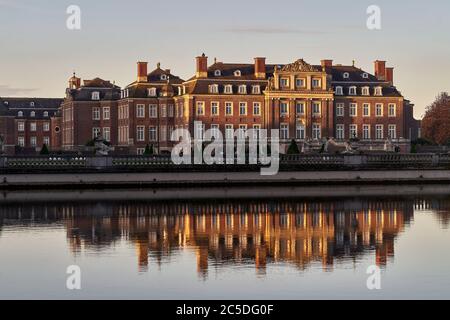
{"type": "Point", "coordinates": [38, 53]}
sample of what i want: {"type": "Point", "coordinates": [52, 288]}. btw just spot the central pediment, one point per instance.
{"type": "Point", "coordinates": [300, 66]}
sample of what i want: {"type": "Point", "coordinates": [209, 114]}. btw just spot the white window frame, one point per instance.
{"type": "Point", "coordinates": [353, 131]}
{"type": "Point", "coordinates": [200, 108]}
{"type": "Point", "coordinates": [381, 105]}
{"type": "Point", "coordinates": [394, 114]}
{"type": "Point", "coordinates": [364, 109]}
{"type": "Point", "coordinates": [353, 109]}
{"type": "Point", "coordinates": [229, 105]}
{"type": "Point", "coordinates": [340, 109]}
{"type": "Point", "coordinates": [340, 131]}
{"type": "Point", "coordinates": [366, 129]}
{"type": "Point", "coordinates": [257, 106]}
{"type": "Point", "coordinates": [243, 104]}
{"type": "Point", "coordinates": [153, 111]}
{"type": "Point", "coordinates": [140, 110]}
{"type": "Point", "coordinates": [216, 105]}
{"type": "Point", "coordinates": [140, 133]}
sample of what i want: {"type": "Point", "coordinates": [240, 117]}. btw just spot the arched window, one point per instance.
{"type": "Point", "coordinates": [95, 95]}
{"type": "Point", "coordinates": [152, 92]}
{"type": "Point", "coordinates": [352, 91]}
{"type": "Point", "coordinates": [237, 73]}
{"type": "Point", "coordinates": [217, 73]}
{"type": "Point", "coordinates": [339, 91]}
{"type": "Point", "coordinates": [346, 75]}
{"type": "Point", "coordinates": [20, 114]}
{"type": "Point", "coordinates": [45, 113]}
{"type": "Point", "coordinates": [32, 114]}
{"type": "Point", "coordinates": [365, 75]}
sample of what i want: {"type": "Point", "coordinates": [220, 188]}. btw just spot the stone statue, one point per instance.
{"type": "Point", "coordinates": [101, 148]}
{"type": "Point", "coordinates": [331, 146]}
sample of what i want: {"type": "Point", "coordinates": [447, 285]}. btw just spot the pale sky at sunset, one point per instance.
{"type": "Point", "coordinates": [38, 53]}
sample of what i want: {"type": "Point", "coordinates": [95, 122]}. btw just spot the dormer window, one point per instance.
{"type": "Point", "coordinates": [352, 91]}
{"type": "Point", "coordinates": [31, 104]}
{"type": "Point", "coordinates": [346, 75]}
{"type": "Point", "coordinates": [95, 95]}
{"type": "Point", "coordinates": [32, 114]}
{"type": "Point", "coordinates": [45, 113]}
{"type": "Point", "coordinates": [365, 91]}
{"type": "Point", "coordinates": [256, 89]}
{"type": "Point", "coordinates": [242, 89]}
{"type": "Point", "coordinates": [180, 91]}
{"type": "Point", "coordinates": [339, 91]}
{"type": "Point", "coordinates": [378, 91]}
{"type": "Point", "coordinates": [365, 75]}
{"type": "Point", "coordinates": [228, 89]}
{"type": "Point", "coordinates": [217, 73]}
{"type": "Point", "coordinates": [237, 73]}
{"type": "Point", "coordinates": [213, 88]}
{"type": "Point", "coordinates": [163, 77]}
{"type": "Point", "coordinates": [20, 114]}
{"type": "Point", "coordinates": [152, 92]}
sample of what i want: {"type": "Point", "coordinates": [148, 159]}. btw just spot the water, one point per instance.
{"type": "Point", "coordinates": [225, 247]}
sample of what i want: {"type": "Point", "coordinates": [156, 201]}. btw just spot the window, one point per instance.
{"type": "Point", "coordinates": [284, 131]}
{"type": "Point", "coordinates": [353, 131]}
{"type": "Point", "coordinates": [20, 114]}
{"type": "Point", "coordinates": [140, 133]}
{"type": "Point", "coordinates": [106, 113]}
{"type": "Point", "coordinates": [392, 110]}
{"type": "Point", "coordinates": [300, 132]}
{"type": "Point", "coordinates": [31, 104]}
{"type": "Point", "coordinates": [378, 91]}
{"type": "Point", "coordinates": [95, 113]}
{"type": "Point", "coordinates": [140, 111]}
{"type": "Point", "coordinates": [21, 141]}
{"type": "Point", "coordinates": [365, 75]}
{"type": "Point", "coordinates": [242, 130]}
{"type": "Point", "coordinates": [33, 126]}
{"type": "Point", "coordinates": [32, 114]}
{"type": "Point", "coordinates": [316, 83]}
{"type": "Point", "coordinates": [256, 131]}
{"type": "Point", "coordinates": [237, 73]}
{"type": "Point", "coordinates": [33, 142]}
{"type": "Point", "coordinates": [284, 109]}
{"type": "Point", "coordinates": [392, 131]}
{"type": "Point", "coordinates": [152, 92]}
{"type": "Point", "coordinates": [379, 110]}
{"type": "Point", "coordinates": [163, 77]}
{"type": "Point", "coordinates": [95, 95]}
{"type": "Point", "coordinates": [46, 126]}
{"type": "Point", "coordinates": [366, 109]}
{"type": "Point", "coordinates": [340, 131]}
{"type": "Point", "coordinates": [229, 108]}
{"type": "Point", "coordinates": [300, 83]}
{"type": "Point", "coordinates": [163, 111]}
{"type": "Point", "coordinates": [200, 108]}
{"type": "Point", "coordinates": [46, 140]}
{"type": "Point", "coordinates": [339, 91]}
{"type": "Point", "coordinates": [243, 108]}
{"type": "Point", "coordinates": [95, 133]}
{"type": "Point", "coordinates": [316, 108]}
{"type": "Point", "coordinates": [346, 75]}
{"type": "Point", "coordinates": [353, 112]}
{"type": "Point", "coordinates": [365, 91]}
{"type": "Point", "coordinates": [21, 126]}
{"type": "Point", "coordinates": [107, 133]}
{"type": "Point", "coordinates": [213, 88]}
{"type": "Point", "coordinates": [163, 133]}
{"type": "Point", "coordinates": [379, 131]}
{"type": "Point", "coordinates": [153, 111]}
{"type": "Point", "coordinates": [45, 113]}
{"type": "Point", "coordinates": [300, 108]}
{"type": "Point", "coordinates": [214, 108]}
{"type": "Point", "coordinates": [242, 89]}
{"type": "Point", "coordinates": [352, 91]}
{"type": "Point", "coordinates": [366, 131]}
{"type": "Point", "coordinates": [229, 131]}
{"type": "Point", "coordinates": [256, 89]}
{"type": "Point", "coordinates": [284, 82]}
{"type": "Point", "coordinates": [170, 110]}
{"type": "Point", "coordinates": [217, 73]}
{"type": "Point", "coordinates": [152, 133]}
{"type": "Point", "coordinates": [228, 89]}
{"type": "Point", "coordinates": [339, 110]}
{"type": "Point", "coordinates": [316, 132]}
{"type": "Point", "coordinates": [256, 108]}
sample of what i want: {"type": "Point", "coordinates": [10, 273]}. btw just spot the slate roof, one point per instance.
{"type": "Point", "coordinates": [10, 106]}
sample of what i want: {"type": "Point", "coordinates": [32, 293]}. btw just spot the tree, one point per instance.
{"type": "Point", "coordinates": [44, 150]}
{"type": "Point", "coordinates": [148, 150]}
{"type": "Point", "coordinates": [436, 122]}
{"type": "Point", "coordinates": [293, 148]}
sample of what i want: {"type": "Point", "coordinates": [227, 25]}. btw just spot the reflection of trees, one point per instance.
{"type": "Point", "coordinates": [221, 234]}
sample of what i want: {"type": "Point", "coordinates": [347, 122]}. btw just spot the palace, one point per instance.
{"type": "Point", "coordinates": [305, 102]}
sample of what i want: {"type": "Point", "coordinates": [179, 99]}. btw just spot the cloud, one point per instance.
{"type": "Point", "coordinates": [272, 30]}
{"type": "Point", "coordinates": [9, 91]}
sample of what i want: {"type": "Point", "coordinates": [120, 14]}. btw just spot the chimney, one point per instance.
{"type": "Point", "coordinates": [260, 68]}
{"type": "Point", "coordinates": [202, 66]}
{"type": "Point", "coordinates": [326, 63]}
{"type": "Point", "coordinates": [142, 71]}
{"type": "Point", "coordinates": [380, 70]}
{"type": "Point", "coordinates": [167, 71]}
{"type": "Point", "coordinates": [390, 75]}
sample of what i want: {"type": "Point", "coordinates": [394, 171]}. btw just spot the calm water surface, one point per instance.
{"type": "Point", "coordinates": [231, 249]}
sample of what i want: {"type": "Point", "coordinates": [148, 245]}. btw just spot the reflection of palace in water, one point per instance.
{"type": "Point", "coordinates": [259, 233]}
